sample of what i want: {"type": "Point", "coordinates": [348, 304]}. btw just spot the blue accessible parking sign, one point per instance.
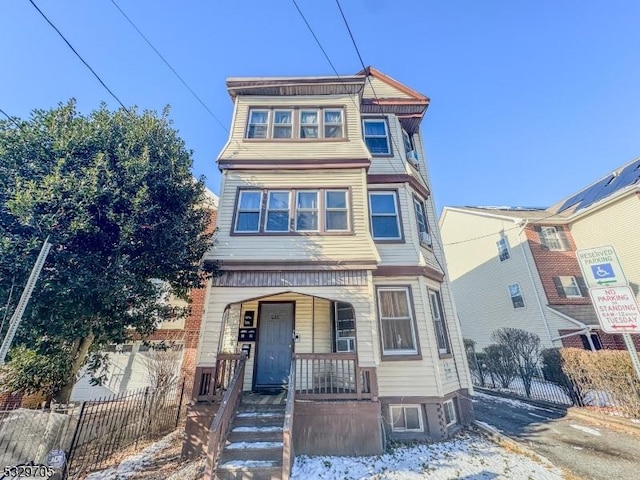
{"type": "Point", "coordinates": [603, 270]}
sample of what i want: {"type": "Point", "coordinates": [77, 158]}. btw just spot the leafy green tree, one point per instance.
{"type": "Point", "coordinates": [115, 193]}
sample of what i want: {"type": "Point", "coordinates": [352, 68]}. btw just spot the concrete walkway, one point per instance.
{"type": "Point", "coordinates": [588, 450]}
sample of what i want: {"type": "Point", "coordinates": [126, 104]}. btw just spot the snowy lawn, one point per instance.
{"type": "Point", "coordinates": [468, 456]}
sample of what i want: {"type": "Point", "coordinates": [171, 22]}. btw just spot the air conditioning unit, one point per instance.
{"type": "Point", "coordinates": [425, 237]}
{"type": "Point", "coordinates": [412, 156]}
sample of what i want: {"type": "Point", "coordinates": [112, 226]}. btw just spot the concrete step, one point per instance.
{"type": "Point", "coordinates": [253, 407]}
{"type": "Point", "coordinates": [259, 419]}
{"type": "Point", "coordinates": [249, 470]}
{"type": "Point", "coordinates": [241, 433]}
{"type": "Point", "coordinates": [252, 451]}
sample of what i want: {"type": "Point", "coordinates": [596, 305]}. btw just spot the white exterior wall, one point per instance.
{"type": "Point", "coordinates": [618, 225]}
{"type": "Point", "coordinates": [480, 280]}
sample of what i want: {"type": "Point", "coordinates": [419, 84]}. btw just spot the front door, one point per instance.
{"type": "Point", "coordinates": [274, 345]}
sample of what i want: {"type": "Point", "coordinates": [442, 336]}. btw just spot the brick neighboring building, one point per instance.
{"type": "Point", "coordinates": [517, 267]}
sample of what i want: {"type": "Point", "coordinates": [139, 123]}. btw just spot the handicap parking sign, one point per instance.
{"type": "Point", "coordinates": [603, 270]}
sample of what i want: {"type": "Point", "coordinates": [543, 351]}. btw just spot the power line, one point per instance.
{"type": "Point", "coordinates": [195, 95]}
{"type": "Point", "coordinates": [78, 55]}
{"type": "Point", "coordinates": [10, 119]}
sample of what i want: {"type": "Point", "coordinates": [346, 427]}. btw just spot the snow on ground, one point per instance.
{"type": "Point", "coordinates": [130, 465]}
{"type": "Point", "coordinates": [510, 401]}
{"type": "Point", "coordinates": [469, 455]}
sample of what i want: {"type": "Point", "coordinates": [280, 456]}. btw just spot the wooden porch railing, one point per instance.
{"type": "Point", "coordinates": [287, 429]}
{"type": "Point", "coordinates": [224, 417]}
{"type": "Point", "coordinates": [333, 376]}
{"type": "Point", "coordinates": [211, 382]}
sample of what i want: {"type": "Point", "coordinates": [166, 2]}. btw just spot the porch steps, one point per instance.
{"type": "Point", "coordinates": [254, 445]}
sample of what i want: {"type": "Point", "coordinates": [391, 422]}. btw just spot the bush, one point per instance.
{"type": "Point", "coordinates": [525, 350]}
{"type": "Point", "coordinates": [500, 364]}
{"type": "Point", "coordinates": [553, 370]}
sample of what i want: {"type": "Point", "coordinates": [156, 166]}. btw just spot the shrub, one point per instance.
{"type": "Point", "coordinates": [553, 370]}
{"type": "Point", "coordinates": [500, 364]}
{"type": "Point", "coordinates": [525, 349]}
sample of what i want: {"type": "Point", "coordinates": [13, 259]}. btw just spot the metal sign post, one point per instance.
{"type": "Point", "coordinates": [632, 351]}
{"type": "Point", "coordinates": [24, 300]}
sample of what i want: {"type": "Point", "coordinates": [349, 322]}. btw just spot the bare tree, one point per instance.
{"type": "Point", "coordinates": [525, 349]}
{"type": "Point", "coordinates": [162, 363]}
{"type": "Point", "coordinates": [501, 364]}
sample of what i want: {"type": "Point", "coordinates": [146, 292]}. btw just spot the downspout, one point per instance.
{"type": "Point", "coordinates": [533, 284]}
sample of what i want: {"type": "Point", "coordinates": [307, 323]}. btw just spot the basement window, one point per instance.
{"type": "Point", "coordinates": [406, 418]}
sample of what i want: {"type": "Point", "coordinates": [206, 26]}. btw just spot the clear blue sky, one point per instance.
{"type": "Point", "coordinates": [529, 100]}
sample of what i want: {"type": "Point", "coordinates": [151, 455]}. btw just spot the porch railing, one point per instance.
{"type": "Point", "coordinates": [287, 429]}
{"type": "Point", "coordinates": [211, 382]}
{"type": "Point", "coordinates": [333, 376]}
{"type": "Point", "coordinates": [224, 417]}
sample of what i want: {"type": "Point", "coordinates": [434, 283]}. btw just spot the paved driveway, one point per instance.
{"type": "Point", "coordinates": [590, 452]}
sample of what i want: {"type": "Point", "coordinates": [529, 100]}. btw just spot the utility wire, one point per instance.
{"type": "Point", "coordinates": [78, 55]}
{"type": "Point", "coordinates": [215, 117]}
{"type": "Point", "coordinates": [11, 119]}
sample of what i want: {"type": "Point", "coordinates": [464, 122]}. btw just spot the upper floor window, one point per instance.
{"type": "Point", "coordinates": [258, 124]}
{"type": "Point", "coordinates": [552, 238]}
{"type": "Point", "coordinates": [516, 295]}
{"type": "Point", "coordinates": [248, 212]}
{"type": "Point", "coordinates": [281, 211]}
{"type": "Point", "coordinates": [438, 321]}
{"type": "Point", "coordinates": [376, 136]}
{"type": "Point", "coordinates": [396, 321]}
{"type": "Point", "coordinates": [385, 221]}
{"type": "Point", "coordinates": [503, 249]}
{"type": "Point", "coordinates": [570, 287]}
{"type": "Point", "coordinates": [294, 123]}
{"type": "Point", "coordinates": [421, 220]}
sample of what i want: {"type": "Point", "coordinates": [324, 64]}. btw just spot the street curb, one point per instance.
{"type": "Point", "coordinates": [608, 420]}
{"type": "Point", "coordinates": [501, 439]}
{"type": "Point", "coordinates": [512, 396]}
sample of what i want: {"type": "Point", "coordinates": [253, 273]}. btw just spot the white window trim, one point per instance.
{"type": "Point", "coordinates": [317, 210]}
{"type": "Point", "coordinates": [511, 297]}
{"type": "Point", "coordinates": [267, 210]}
{"type": "Point", "coordinates": [332, 124]}
{"type": "Point", "coordinates": [274, 124]}
{"type": "Point", "coordinates": [318, 112]}
{"type": "Point", "coordinates": [403, 408]}
{"type": "Point", "coordinates": [419, 204]}
{"type": "Point", "coordinates": [406, 351]}
{"type": "Point", "coordinates": [503, 243]}
{"type": "Point", "coordinates": [239, 210]}
{"type": "Point", "coordinates": [327, 209]}
{"type": "Point", "coordinates": [575, 285]}
{"type": "Point", "coordinates": [249, 123]}
{"type": "Point", "coordinates": [437, 315]}
{"type": "Point", "coordinates": [386, 135]}
{"type": "Point", "coordinates": [453, 412]}
{"type": "Point", "coordinates": [394, 194]}
{"type": "Point", "coordinates": [551, 235]}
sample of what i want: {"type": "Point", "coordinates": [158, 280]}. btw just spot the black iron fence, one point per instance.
{"type": "Point", "coordinates": [90, 435]}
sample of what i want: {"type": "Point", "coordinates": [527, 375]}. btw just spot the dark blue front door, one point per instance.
{"type": "Point", "coordinates": [274, 345]}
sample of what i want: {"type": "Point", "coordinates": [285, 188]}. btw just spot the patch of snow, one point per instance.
{"type": "Point", "coordinates": [248, 464]}
{"type": "Point", "coordinates": [246, 445]}
{"type": "Point", "coordinates": [129, 466]}
{"type": "Point", "coordinates": [538, 416]}
{"type": "Point", "coordinates": [257, 429]}
{"type": "Point", "coordinates": [511, 401]}
{"type": "Point", "coordinates": [258, 414]}
{"type": "Point", "coordinates": [467, 456]}
{"type": "Point", "coordinates": [582, 428]}
{"type": "Point", "coordinates": [489, 427]}
{"type": "Point", "coordinates": [577, 448]}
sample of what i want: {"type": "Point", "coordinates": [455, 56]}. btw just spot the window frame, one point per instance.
{"type": "Point", "coordinates": [332, 124]}
{"type": "Point", "coordinates": [267, 210]}
{"type": "Point", "coordinates": [290, 125]}
{"type": "Point", "coordinates": [454, 414]}
{"type": "Point", "coordinates": [403, 354]}
{"type": "Point", "coordinates": [387, 135]}
{"type": "Point", "coordinates": [512, 297]}
{"type": "Point", "coordinates": [438, 317]}
{"type": "Point", "coordinates": [328, 209]}
{"type": "Point", "coordinates": [549, 234]}
{"type": "Point", "coordinates": [237, 211]}
{"type": "Point", "coordinates": [575, 284]}
{"type": "Point", "coordinates": [503, 249]}
{"type": "Point", "coordinates": [250, 123]}
{"type": "Point", "coordinates": [316, 125]}
{"type": "Point", "coordinates": [317, 210]}
{"type": "Point", "coordinates": [396, 203]}
{"type": "Point", "coordinates": [403, 407]}
{"type": "Point", "coordinates": [418, 203]}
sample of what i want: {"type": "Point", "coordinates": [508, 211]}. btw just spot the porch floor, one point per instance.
{"type": "Point", "coordinates": [253, 398]}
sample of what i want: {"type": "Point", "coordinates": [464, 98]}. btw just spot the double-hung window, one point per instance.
{"type": "Point", "coordinates": [308, 123]}
{"type": "Point", "coordinates": [385, 221]}
{"type": "Point", "coordinates": [333, 124]}
{"type": "Point", "coordinates": [258, 124]}
{"type": "Point", "coordinates": [552, 238]}
{"type": "Point", "coordinates": [439, 322]}
{"type": "Point", "coordinates": [307, 211]}
{"type": "Point", "coordinates": [336, 211]}
{"type": "Point", "coordinates": [277, 212]}
{"type": "Point", "coordinates": [421, 220]}
{"type": "Point", "coordinates": [248, 213]}
{"type": "Point", "coordinates": [570, 287]}
{"type": "Point", "coordinates": [516, 295]}
{"type": "Point", "coordinates": [282, 124]}
{"type": "Point", "coordinates": [503, 249]}
{"type": "Point", "coordinates": [376, 136]}
{"type": "Point", "coordinates": [396, 321]}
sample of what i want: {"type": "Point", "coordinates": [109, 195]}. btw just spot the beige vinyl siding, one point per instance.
{"type": "Point", "coordinates": [390, 164]}
{"type": "Point", "coordinates": [352, 147]}
{"type": "Point", "coordinates": [480, 280]}
{"type": "Point", "coordinates": [318, 247]}
{"type": "Point", "coordinates": [382, 90]}
{"type": "Point", "coordinates": [618, 225]}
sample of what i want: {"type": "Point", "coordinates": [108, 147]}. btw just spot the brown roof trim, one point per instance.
{"type": "Point", "coordinates": [394, 83]}
{"type": "Point", "coordinates": [407, 270]}
{"type": "Point", "coordinates": [400, 178]}
{"type": "Point", "coordinates": [248, 265]}
{"type": "Point", "coordinates": [395, 101]}
{"type": "Point", "coordinates": [315, 164]}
